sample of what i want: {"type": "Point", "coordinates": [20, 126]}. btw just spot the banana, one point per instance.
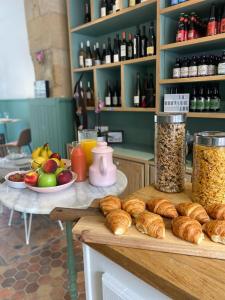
{"type": "Point", "coordinates": [44, 151]}
{"type": "Point", "coordinates": [36, 152]}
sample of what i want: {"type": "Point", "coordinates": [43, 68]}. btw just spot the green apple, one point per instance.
{"type": "Point", "coordinates": [59, 170]}
{"type": "Point", "coordinates": [47, 180]}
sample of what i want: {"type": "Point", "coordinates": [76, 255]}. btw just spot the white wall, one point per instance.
{"type": "Point", "coordinates": [16, 68]}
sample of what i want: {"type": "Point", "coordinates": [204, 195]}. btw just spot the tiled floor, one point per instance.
{"type": "Point", "coordinates": [37, 271]}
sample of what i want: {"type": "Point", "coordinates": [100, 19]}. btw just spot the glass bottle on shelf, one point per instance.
{"type": "Point", "coordinates": [123, 47]}
{"type": "Point", "coordinates": [82, 55]}
{"type": "Point", "coordinates": [137, 95]}
{"type": "Point", "coordinates": [103, 53]}
{"type": "Point", "coordinates": [176, 69]}
{"type": "Point", "coordinates": [212, 23]}
{"type": "Point", "coordinates": [208, 97]}
{"type": "Point", "coordinates": [103, 8]}
{"type": "Point", "coordinates": [219, 16]}
{"type": "Point", "coordinates": [184, 68]}
{"type": "Point", "coordinates": [108, 56]}
{"type": "Point", "coordinates": [98, 56]}
{"type": "Point", "coordinates": [87, 15]}
{"type": "Point", "coordinates": [222, 25]}
{"type": "Point", "coordinates": [116, 5]}
{"type": "Point", "coordinates": [151, 42]}
{"type": "Point", "coordinates": [180, 36]}
{"type": "Point", "coordinates": [193, 67]}
{"type": "Point", "coordinates": [108, 95]}
{"type": "Point", "coordinates": [88, 58]}
{"type": "Point", "coordinates": [129, 47]}
{"type": "Point", "coordinates": [215, 100]}
{"type": "Point", "coordinates": [192, 27]}
{"type": "Point", "coordinates": [186, 25]}
{"type": "Point", "coordinates": [193, 100]}
{"type": "Point", "coordinates": [116, 52]}
{"type": "Point", "coordinates": [150, 94]}
{"type": "Point", "coordinates": [110, 6]}
{"type": "Point", "coordinates": [115, 98]}
{"type": "Point", "coordinates": [211, 65]}
{"type": "Point", "coordinates": [132, 3]}
{"type": "Point", "coordinates": [203, 66]}
{"type": "Point", "coordinates": [221, 65]}
{"type": "Point", "coordinates": [200, 100]}
{"type": "Point", "coordinates": [94, 55]}
{"type": "Point", "coordinates": [144, 91]}
{"type": "Point", "coordinates": [89, 95]}
{"type": "Point", "coordinates": [137, 43]}
{"type": "Point", "coordinates": [143, 42]}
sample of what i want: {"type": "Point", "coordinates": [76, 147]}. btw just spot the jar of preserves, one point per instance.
{"type": "Point", "coordinates": [170, 145]}
{"type": "Point", "coordinates": [208, 177]}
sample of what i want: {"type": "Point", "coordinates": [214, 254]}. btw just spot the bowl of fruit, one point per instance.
{"type": "Point", "coordinates": [16, 179]}
{"type": "Point", "coordinates": [49, 178]}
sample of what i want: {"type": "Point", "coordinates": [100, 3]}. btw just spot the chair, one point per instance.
{"type": "Point", "coordinates": [23, 140]}
{"type": "Point", "coordinates": [3, 149]}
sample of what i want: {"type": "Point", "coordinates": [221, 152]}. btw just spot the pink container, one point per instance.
{"type": "Point", "coordinates": [102, 172]}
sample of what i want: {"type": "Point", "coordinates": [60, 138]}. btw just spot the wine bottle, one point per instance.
{"type": "Point", "coordinates": [180, 36]}
{"type": "Point", "coordinates": [193, 100]}
{"type": "Point", "coordinates": [144, 92]}
{"type": "Point", "coordinates": [200, 100]}
{"type": "Point", "coordinates": [110, 6]}
{"type": "Point", "coordinates": [108, 56]}
{"type": "Point", "coordinates": [143, 43]}
{"type": "Point", "coordinates": [208, 97]}
{"type": "Point", "coordinates": [82, 56]}
{"type": "Point", "coordinates": [103, 8]}
{"type": "Point", "coordinates": [219, 17]}
{"type": "Point", "coordinates": [103, 53]}
{"type": "Point", "coordinates": [203, 66]}
{"type": "Point", "coordinates": [222, 25]}
{"type": "Point", "coordinates": [211, 65]}
{"type": "Point", "coordinates": [137, 95]}
{"type": "Point", "coordinates": [212, 23]}
{"type": "Point", "coordinates": [98, 56]}
{"type": "Point", "coordinates": [117, 5]}
{"type": "Point", "coordinates": [108, 95]}
{"type": "Point", "coordinates": [88, 58]}
{"type": "Point", "coordinates": [94, 55]}
{"type": "Point", "coordinates": [132, 3]}
{"type": "Point", "coordinates": [193, 67]}
{"type": "Point", "coordinates": [89, 95]}
{"type": "Point", "coordinates": [116, 52]}
{"type": "Point", "coordinates": [123, 47]}
{"type": "Point", "coordinates": [221, 65]}
{"type": "Point", "coordinates": [87, 15]}
{"type": "Point", "coordinates": [150, 95]}
{"type": "Point", "coordinates": [215, 100]}
{"type": "Point", "coordinates": [137, 44]}
{"type": "Point", "coordinates": [176, 69]}
{"type": "Point", "coordinates": [151, 42]}
{"type": "Point", "coordinates": [184, 68]}
{"type": "Point", "coordinates": [115, 98]}
{"type": "Point", "coordinates": [130, 47]}
{"type": "Point", "coordinates": [81, 90]}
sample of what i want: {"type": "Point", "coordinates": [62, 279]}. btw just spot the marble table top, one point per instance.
{"type": "Point", "coordinates": [79, 195]}
{"type": "Point", "coordinates": [7, 164]}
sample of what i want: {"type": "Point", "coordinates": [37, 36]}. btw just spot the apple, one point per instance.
{"type": "Point", "coordinates": [64, 177]}
{"type": "Point", "coordinates": [59, 170]}
{"type": "Point", "coordinates": [47, 180]}
{"type": "Point", "coordinates": [56, 155]}
{"type": "Point", "coordinates": [40, 171]}
{"type": "Point", "coordinates": [31, 178]}
{"type": "Point", "coordinates": [57, 161]}
{"type": "Point", "coordinates": [50, 166]}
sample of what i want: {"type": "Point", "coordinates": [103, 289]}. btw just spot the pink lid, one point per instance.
{"type": "Point", "coordinates": [102, 148]}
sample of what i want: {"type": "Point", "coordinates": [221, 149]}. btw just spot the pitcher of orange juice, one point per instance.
{"type": "Point", "coordinates": [87, 145]}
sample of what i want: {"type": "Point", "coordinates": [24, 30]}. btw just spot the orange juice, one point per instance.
{"type": "Point", "coordinates": [87, 145]}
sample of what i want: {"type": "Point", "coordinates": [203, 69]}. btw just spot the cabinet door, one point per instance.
{"type": "Point", "coordinates": [135, 173]}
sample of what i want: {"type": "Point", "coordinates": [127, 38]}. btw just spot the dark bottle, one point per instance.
{"type": "Point", "coordinates": [219, 16]}
{"type": "Point", "coordinates": [176, 69]}
{"type": "Point", "coordinates": [212, 23]}
{"type": "Point", "coordinates": [90, 95]}
{"type": "Point", "coordinates": [109, 54]}
{"type": "Point", "coordinates": [137, 94]}
{"type": "Point", "coordinates": [174, 2]}
{"type": "Point", "coordinates": [88, 58]}
{"type": "Point", "coordinates": [208, 97]}
{"type": "Point", "coordinates": [221, 65]}
{"type": "Point", "coordinates": [151, 42]}
{"type": "Point", "coordinates": [193, 99]}
{"type": "Point", "coordinates": [138, 1]}
{"type": "Point", "coordinates": [203, 66]}
{"type": "Point", "coordinates": [115, 98]}
{"type": "Point", "coordinates": [215, 100]}
{"type": "Point", "coordinates": [118, 42]}
{"type": "Point", "coordinates": [211, 65]}
{"type": "Point", "coordinates": [143, 43]}
{"type": "Point", "coordinates": [103, 53]}
{"type": "Point", "coordinates": [186, 21]}
{"type": "Point", "coordinates": [82, 55]}
{"type": "Point", "coordinates": [103, 8]}
{"type": "Point", "coordinates": [180, 36]}
{"type": "Point", "coordinates": [137, 44]}
{"type": "Point", "coordinates": [110, 6]}
{"type": "Point", "coordinates": [184, 68]}
{"type": "Point", "coordinates": [130, 47]}
{"type": "Point", "coordinates": [108, 95]}
{"type": "Point", "coordinates": [94, 55]}
{"type": "Point", "coordinates": [87, 15]}
{"type": "Point", "coordinates": [116, 52]}
{"type": "Point", "coordinates": [200, 100]}
{"type": "Point", "coordinates": [222, 25]}
{"type": "Point", "coordinates": [144, 91]}
{"type": "Point", "coordinates": [150, 94]}
{"type": "Point", "coordinates": [193, 67]}
{"type": "Point", "coordinates": [192, 31]}
{"type": "Point", "coordinates": [98, 55]}
{"type": "Point", "coordinates": [123, 47]}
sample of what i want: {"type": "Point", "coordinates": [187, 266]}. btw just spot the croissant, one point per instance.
{"type": "Point", "coordinates": [187, 229]}
{"type": "Point", "coordinates": [162, 207]}
{"type": "Point", "coordinates": [193, 210]}
{"type": "Point", "coordinates": [118, 221]}
{"type": "Point", "coordinates": [150, 224]}
{"type": "Point", "coordinates": [216, 211]}
{"type": "Point", "coordinates": [109, 203]}
{"type": "Point", "coordinates": [215, 230]}
{"type": "Point", "coordinates": [134, 206]}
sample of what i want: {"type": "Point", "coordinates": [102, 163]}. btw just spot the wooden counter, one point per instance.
{"type": "Point", "coordinates": [178, 276]}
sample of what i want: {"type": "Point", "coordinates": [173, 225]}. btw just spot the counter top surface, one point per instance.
{"type": "Point", "coordinates": [134, 152]}
{"type": "Point", "coordinates": [178, 276]}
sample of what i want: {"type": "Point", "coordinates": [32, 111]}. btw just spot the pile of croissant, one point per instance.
{"type": "Point", "coordinates": [189, 220]}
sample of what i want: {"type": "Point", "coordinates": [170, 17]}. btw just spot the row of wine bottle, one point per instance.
{"type": "Point", "coordinates": [144, 95]}
{"type": "Point", "coordinates": [87, 93]}
{"type": "Point", "coordinates": [136, 46]}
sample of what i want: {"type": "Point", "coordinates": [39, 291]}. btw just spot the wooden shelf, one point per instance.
{"type": "Point", "coordinates": [124, 18]}
{"type": "Point", "coordinates": [209, 41]}
{"type": "Point", "coordinates": [118, 64]}
{"type": "Point", "coordinates": [129, 109]}
{"type": "Point", "coordinates": [211, 115]}
{"type": "Point", "coordinates": [90, 108]}
{"type": "Point", "coordinates": [193, 79]}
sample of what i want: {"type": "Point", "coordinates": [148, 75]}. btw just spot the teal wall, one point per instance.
{"type": "Point", "coordinates": [50, 120]}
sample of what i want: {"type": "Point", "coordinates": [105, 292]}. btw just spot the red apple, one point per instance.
{"type": "Point", "coordinates": [31, 178]}
{"type": "Point", "coordinates": [56, 155]}
{"type": "Point", "coordinates": [64, 177]}
{"type": "Point", "coordinates": [50, 166]}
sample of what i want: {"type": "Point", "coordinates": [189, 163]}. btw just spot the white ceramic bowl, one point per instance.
{"type": "Point", "coordinates": [15, 184]}
{"type": "Point", "coordinates": [52, 189]}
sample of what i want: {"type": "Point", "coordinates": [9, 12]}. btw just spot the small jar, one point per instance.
{"type": "Point", "coordinates": [170, 145]}
{"type": "Point", "coordinates": [208, 177]}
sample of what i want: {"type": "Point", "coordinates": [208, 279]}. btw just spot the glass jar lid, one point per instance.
{"type": "Point", "coordinates": [170, 118]}
{"type": "Point", "coordinates": [210, 138]}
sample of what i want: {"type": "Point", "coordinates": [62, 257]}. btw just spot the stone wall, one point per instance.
{"type": "Point", "coordinates": [48, 31]}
